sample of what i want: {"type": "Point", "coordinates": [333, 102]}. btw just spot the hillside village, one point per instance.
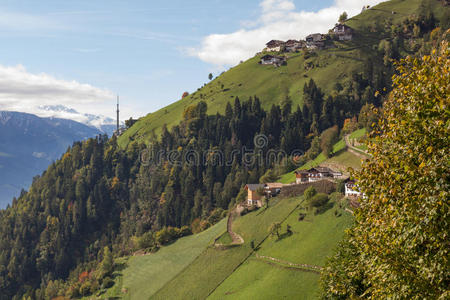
{"type": "Point", "coordinates": [315, 41]}
{"type": "Point", "coordinates": [258, 193]}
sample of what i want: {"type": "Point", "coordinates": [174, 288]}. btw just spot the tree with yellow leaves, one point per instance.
{"type": "Point", "coordinates": [399, 245]}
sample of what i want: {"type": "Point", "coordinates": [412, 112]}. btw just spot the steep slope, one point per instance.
{"type": "Point", "coordinates": [273, 85]}
{"type": "Point", "coordinates": [29, 144]}
{"type": "Point", "coordinates": [267, 273]}
{"type": "Point", "coordinates": [161, 266]}
{"type": "Point", "coordinates": [240, 273]}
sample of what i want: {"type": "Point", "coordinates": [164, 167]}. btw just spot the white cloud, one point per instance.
{"type": "Point", "coordinates": [26, 22]}
{"type": "Point", "coordinates": [279, 19]}
{"type": "Point", "coordinates": [23, 91]}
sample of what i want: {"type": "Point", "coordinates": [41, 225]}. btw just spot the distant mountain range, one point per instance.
{"type": "Point", "coordinates": [28, 144]}
{"type": "Point", "coordinates": [104, 124]}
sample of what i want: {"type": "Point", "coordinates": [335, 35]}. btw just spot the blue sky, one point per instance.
{"type": "Point", "coordinates": [82, 53]}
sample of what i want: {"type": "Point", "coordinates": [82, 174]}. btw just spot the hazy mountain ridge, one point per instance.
{"type": "Point", "coordinates": [29, 144]}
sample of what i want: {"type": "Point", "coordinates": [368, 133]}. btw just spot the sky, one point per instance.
{"type": "Point", "coordinates": [83, 53]}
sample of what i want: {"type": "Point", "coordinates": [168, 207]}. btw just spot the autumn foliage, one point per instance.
{"type": "Point", "coordinates": [399, 247]}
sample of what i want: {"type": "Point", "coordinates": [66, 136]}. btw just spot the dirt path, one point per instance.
{"type": "Point", "coordinates": [288, 264]}
{"type": "Point", "coordinates": [236, 239]}
{"type": "Point", "coordinates": [350, 148]}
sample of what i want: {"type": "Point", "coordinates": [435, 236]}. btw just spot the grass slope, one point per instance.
{"type": "Point", "coordinates": [272, 85]}
{"type": "Point", "coordinates": [214, 265]}
{"type": "Point", "coordinates": [247, 79]}
{"type": "Point", "coordinates": [313, 239]}
{"type": "Point", "coordinates": [340, 160]}
{"type": "Point", "coordinates": [144, 275]}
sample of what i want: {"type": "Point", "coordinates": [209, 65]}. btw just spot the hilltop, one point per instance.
{"type": "Point", "coordinates": [272, 85]}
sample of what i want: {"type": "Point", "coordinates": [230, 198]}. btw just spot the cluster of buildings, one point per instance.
{"type": "Point", "coordinates": [315, 174]}
{"type": "Point", "coordinates": [313, 41]}
{"type": "Point", "coordinates": [257, 192]}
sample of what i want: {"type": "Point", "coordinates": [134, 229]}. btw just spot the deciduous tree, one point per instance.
{"type": "Point", "coordinates": [400, 244]}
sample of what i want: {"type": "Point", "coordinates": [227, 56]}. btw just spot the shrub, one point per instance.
{"type": "Point", "coordinates": [107, 282]}
{"type": "Point", "coordinates": [85, 288]}
{"type": "Point", "coordinates": [216, 216]}
{"type": "Point", "coordinates": [184, 231]}
{"type": "Point", "coordinates": [318, 200]}
{"type": "Point", "coordinates": [309, 193]}
{"type": "Point", "coordinates": [340, 187]}
{"type": "Point", "coordinates": [166, 235]}
{"type": "Point", "coordinates": [146, 240]}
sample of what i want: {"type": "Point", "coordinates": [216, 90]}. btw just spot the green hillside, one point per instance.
{"type": "Point", "coordinates": [272, 85]}
{"type": "Point", "coordinates": [144, 275]}
{"type": "Point", "coordinates": [313, 239]}
{"type": "Point", "coordinates": [237, 273]}
{"type": "Point", "coordinates": [211, 268]}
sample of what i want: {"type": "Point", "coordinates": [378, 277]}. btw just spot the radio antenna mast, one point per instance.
{"type": "Point", "coordinates": [117, 113]}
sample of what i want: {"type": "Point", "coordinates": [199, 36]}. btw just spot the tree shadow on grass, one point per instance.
{"type": "Point", "coordinates": [284, 235]}
{"type": "Point", "coordinates": [324, 208]}
{"type": "Point", "coordinates": [339, 151]}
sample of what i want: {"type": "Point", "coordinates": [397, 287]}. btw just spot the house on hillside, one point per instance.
{"type": "Point", "coordinates": [253, 194]}
{"type": "Point", "coordinates": [256, 192]}
{"type": "Point", "coordinates": [315, 174]}
{"type": "Point", "coordinates": [329, 172]}
{"type": "Point", "coordinates": [273, 188]}
{"type": "Point", "coordinates": [315, 41]}
{"type": "Point", "coordinates": [351, 190]}
{"type": "Point", "coordinates": [301, 176]}
{"type": "Point", "coordinates": [343, 32]}
{"type": "Point", "coordinates": [315, 37]}
{"type": "Point", "coordinates": [294, 45]}
{"type": "Point", "coordinates": [272, 60]}
{"type": "Point", "coordinates": [274, 45]}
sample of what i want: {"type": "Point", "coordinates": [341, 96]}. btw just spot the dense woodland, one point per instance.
{"type": "Point", "coordinates": [98, 195]}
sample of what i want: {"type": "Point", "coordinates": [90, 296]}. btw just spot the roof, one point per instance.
{"type": "Point", "coordinates": [342, 27]}
{"type": "Point", "coordinates": [292, 42]}
{"type": "Point", "coordinates": [301, 172]}
{"type": "Point", "coordinates": [274, 185]}
{"type": "Point", "coordinates": [324, 170]}
{"type": "Point", "coordinates": [314, 34]}
{"type": "Point", "coordinates": [267, 56]}
{"type": "Point", "coordinates": [254, 187]}
{"type": "Point", "coordinates": [274, 43]}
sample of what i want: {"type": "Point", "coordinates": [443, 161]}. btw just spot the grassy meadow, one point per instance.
{"type": "Point", "coordinates": [211, 268]}
{"type": "Point", "coordinates": [312, 240]}
{"type": "Point", "coordinates": [143, 275]}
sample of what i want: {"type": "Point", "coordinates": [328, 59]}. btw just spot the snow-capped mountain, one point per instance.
{"type": "Point", "coordinates": [28, 144]}
{"type": "Point", "coordinates": [104, 124]}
